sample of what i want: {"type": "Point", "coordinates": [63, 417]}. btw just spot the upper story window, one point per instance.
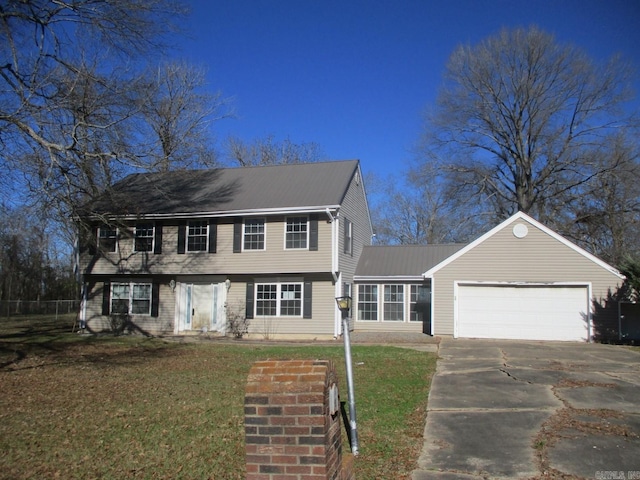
{"type": "Point", "coordinates": [254, 234]}
{"type": "Point", "coordinates": [143, 237]}
{"type": "Point", "coordinates": [348, 237]}
{"type": "Point", "coordinates": [197, 234]}
{"type": "Point", "coordinates": [296, 232]}
{"type": "Point", "coordinates": [107, 239]}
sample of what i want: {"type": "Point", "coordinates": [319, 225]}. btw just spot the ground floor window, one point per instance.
{"type": "Point", "coordinates": [368, 302]}
{"type": "Point", "coordinates": [131, 298]}
{"type": "Point", "coordinates": [393, 303]}
{"type": "Point", "coordinates": [279, 299]}
{"type": "Point", "coordinates": [396, 303]}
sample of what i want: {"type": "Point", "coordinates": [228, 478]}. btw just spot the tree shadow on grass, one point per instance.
{"type": "Point", "coordinates": [32, 342]}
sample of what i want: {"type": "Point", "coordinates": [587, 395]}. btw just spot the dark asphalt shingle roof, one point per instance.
{"type": "Point", "coordinates": [229, 189]}
{"type": "Point", "coordinates": [402, 260]}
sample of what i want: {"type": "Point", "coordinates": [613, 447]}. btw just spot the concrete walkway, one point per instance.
{"type": "Point", "coordinates": [509, 409]}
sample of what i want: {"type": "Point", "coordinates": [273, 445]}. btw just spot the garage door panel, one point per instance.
{"type": "Point", "coordinates": [523, 312]}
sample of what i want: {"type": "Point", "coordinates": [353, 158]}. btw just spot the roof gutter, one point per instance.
{"type": "Point", "coordinates": [227, 213]}
{"type": "Point", "coordinates": [389, 278]}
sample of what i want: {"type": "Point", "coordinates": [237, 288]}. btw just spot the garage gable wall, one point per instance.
{"type": "Point", "coordinates": [506, 255]}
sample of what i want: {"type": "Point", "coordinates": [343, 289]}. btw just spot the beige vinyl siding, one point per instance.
{"type": "Point", "coordinates": [354, 209]}
{"type": "Point", "coordinates": [163, 323]}
{"type": "Point", "coordinates": [322, 307]}
{"type": "Point", "coordinates": [536, 258]}
{"type": "Point", "coordinates": [274, 259]}
{"type": "Point", "coordinates": [388, 327]}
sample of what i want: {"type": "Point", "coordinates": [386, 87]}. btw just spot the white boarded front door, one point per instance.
{"type": "Point", "coordinates": [202, 307]}
{"type": "Point", "coordinates": [524, 312]}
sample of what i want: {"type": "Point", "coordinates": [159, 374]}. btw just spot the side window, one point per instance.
{"type": "Point", "coordinates": [348, 237]}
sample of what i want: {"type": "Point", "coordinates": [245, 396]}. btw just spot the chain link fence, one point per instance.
{"type": "Point", "coordinates": [14, 308]}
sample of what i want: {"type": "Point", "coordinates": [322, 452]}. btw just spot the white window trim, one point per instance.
{"type": "Point", "coordinates": [278, 299]}
{"type": "Point", "coordinates": [117, 230]}
{"type": "Point", "coordinates": [355, 304]}
{"type": "Point", "coordinates": [382, 302]}
{"type": "Point", "coordinates": [244, 230]}
{"type": "Point", "coordinates": [286, 232]}
{"type": "Point", "coordinates": [153, 239]}
{"type": "Point", "coordinates": [406, 315]}
{"type": "Point", "coordinates": [349, 237]}
{"type": "Point", "coordinates": [131, 284]}
{"type": "Point", "coordinates": [186, 237]}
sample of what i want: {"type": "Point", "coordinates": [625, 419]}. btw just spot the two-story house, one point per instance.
{"type": "Point", "coordinates": [178, 252]}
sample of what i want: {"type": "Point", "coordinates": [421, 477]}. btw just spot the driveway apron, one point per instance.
{"type": "Point", "coordinates": [511, 409]}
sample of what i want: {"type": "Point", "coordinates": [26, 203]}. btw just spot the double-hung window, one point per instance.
{"type": "Point", "coordinates": [131, 298]}
{"type": "Point", "coordinates": [279, 299]}
{"type": "Point", "coordinates": [393, 303]}
{"type": "Point", "coordinates": [296, 233]}
{"type": "Point", "coordinates": [348, 237]}
{"type": "Point", "coordinates": [368, 302]}
{"type": "Point", "coordinates": [143, 237]}
{"type": "Point", "coordinates": [107, 239]}
{"type": "Point", "coordinates": [197, 234]}
{"type": "Point", "coordinates": [254, 232]}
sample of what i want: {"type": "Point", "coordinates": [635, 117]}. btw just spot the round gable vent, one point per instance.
{"type": "Point", "coordinates": [520, 230]}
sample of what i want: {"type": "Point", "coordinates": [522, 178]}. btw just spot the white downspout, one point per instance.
{"type": "Point", "coordinates": [337, 318]}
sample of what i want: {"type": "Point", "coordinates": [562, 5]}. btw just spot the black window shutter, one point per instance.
{"type": "Point", "coordinates": [306, 307]}
{"type": "Point", "coordinates": [155, 299]}
{"type": "Point", "coordinates": [157, 247]}
{"type": "Point", "coordinates": [213, 235]}
{"type": "Point", "coordinates": [313, 232]}
{"type": "Point", "coordinates": [93, 241]}
{"type": "Point", "coordinates": [237, 235]}
{"type": "Point", "coordinates": [106, 298]}
{"type": "Point", "coordinates": [182, 236]}
{"type": "Point", "coordinates": [249, 300]}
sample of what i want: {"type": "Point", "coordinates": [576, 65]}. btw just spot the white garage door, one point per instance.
{"type": "Point", "coordinates": [524, 312]}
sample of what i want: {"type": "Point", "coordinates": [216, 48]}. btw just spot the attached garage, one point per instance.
{"type": "Point", "coordinates": [522, 280]}
{"type": "Point", "coordinates": [526, 312]}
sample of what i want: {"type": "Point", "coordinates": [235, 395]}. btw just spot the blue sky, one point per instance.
{"type": "Point", "coordinates": [356, 76]}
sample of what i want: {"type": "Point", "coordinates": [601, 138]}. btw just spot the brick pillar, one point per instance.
{"type": "Point", "coordinates": [292, 422]}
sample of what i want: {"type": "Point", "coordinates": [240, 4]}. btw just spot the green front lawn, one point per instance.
{"type": "Point", "coordinates": [131, 407]}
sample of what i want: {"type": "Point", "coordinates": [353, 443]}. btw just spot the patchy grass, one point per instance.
{"type": "Point", "coordinates": [130, 407]}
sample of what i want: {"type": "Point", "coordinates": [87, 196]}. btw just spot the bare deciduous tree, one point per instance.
{"type": "Point", "coordinates": [267, 151]}
{"type": "Point", "coordinates": [606, 217]}
{"type": "Point", "coordinates": [517, 116]}
{"type": "Point", "coordinates": [65, 100]}
{"type": "Point", "coordinates": [177, 111]}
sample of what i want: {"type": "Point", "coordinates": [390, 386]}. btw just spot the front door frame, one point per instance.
{"type": "Point", "coordinates": [185, 309]}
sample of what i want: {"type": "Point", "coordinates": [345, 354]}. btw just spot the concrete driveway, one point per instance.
{"type": "Point", "coordinates": [511, 409]}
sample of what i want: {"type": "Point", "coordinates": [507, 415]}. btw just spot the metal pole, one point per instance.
{"type": "Point", "coordinates": [352, 398]}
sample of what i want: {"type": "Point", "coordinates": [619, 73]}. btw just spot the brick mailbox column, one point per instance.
{"type": "Point", "coordinates": [292, 422]}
